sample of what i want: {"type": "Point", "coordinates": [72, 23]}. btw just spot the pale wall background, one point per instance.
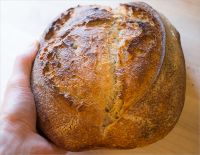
{"type": "Point", "coordinates": [22, 21]}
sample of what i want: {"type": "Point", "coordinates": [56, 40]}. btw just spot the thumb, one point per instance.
{"type": "Point", "coordinates": [18, 103]}
{"type": "Point", "coordinates": [23, 64]}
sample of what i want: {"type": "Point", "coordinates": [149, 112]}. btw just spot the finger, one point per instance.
{"type": "Point", "coordinates": [18, 103]}
{"type": "Point", "coordinates": [20, 78]}
{"type": "Point", "coordinates": [23, 63]}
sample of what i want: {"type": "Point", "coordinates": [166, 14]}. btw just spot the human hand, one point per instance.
{"type": "Point", "coordinates": [18, 134]}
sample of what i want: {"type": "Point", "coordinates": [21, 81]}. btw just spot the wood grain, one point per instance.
{"type": "Point", "coordinates": [23, 21]}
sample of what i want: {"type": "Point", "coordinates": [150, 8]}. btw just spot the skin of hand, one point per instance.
{"type": "Point", "coordinates": [18, 134]}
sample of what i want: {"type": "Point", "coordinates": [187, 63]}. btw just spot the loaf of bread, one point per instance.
{"type": "Point", "coordinates": [108, 78]}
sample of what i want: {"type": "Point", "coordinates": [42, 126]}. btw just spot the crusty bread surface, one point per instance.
{"type": "Point", "coordinates": [108, 78]}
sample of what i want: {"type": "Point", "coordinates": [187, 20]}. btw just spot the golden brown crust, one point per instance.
{"type": "Point", "coordinates": [109, 78]}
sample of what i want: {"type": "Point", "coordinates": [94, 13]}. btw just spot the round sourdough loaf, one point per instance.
{"type": "Point", "coordinates": [112, 78]}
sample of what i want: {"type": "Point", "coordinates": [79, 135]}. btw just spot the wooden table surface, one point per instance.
{"type": "Point", "coordinates": [23, 21]}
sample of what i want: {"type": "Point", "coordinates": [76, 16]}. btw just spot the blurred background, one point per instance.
{"type": "Point", "coordinates": [23, 21]}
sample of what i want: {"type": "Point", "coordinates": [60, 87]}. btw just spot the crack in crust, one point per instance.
{"type": "Point", "coordinates": [130, 41]}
